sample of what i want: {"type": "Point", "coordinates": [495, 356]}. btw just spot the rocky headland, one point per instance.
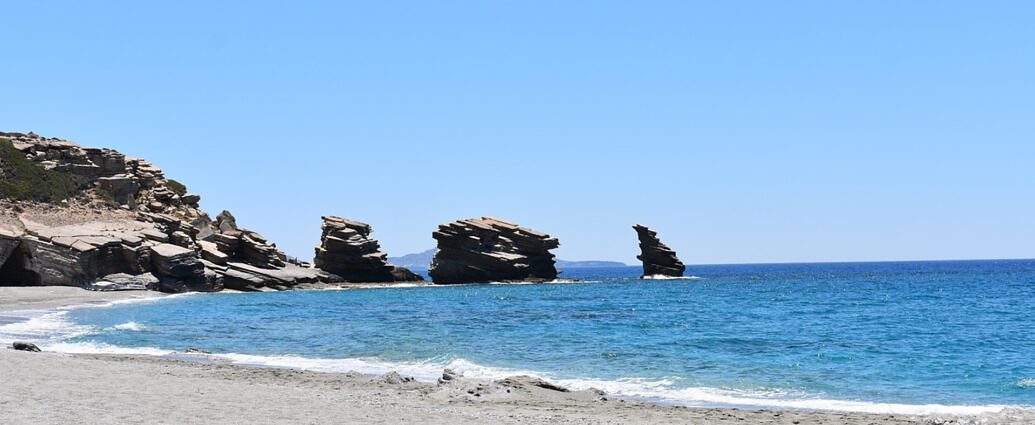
{"type": "Point", "coordinates": [95, 218]}
{"type": "Point", "coordinates": [491, 250]}
{"type": "Point", "coordinates": [658, 259]}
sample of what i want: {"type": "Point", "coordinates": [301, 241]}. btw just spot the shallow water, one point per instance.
{"type": "Point", "coordinates": [907, 337]}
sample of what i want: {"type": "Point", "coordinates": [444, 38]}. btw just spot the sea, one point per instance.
{"type": "Point", "coordinates": [939, 337]}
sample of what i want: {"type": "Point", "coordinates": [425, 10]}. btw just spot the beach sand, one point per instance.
{"type": "Point", "coordinates": [57, 388]}
{"type": "Point", "coordinates": [13, 298]}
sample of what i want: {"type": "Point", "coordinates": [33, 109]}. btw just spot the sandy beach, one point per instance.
{"type": "Point", "coordinates": [59, 388]}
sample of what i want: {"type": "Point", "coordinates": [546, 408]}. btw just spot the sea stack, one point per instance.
{"type": "Point", "coordinates": [488, 249]}
{"type": "Point", "coordinates": [347, 250]}
{"type": "Point", "coordinates": [658, 259]}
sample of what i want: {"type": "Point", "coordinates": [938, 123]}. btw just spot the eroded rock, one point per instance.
{"type": "Point", "coordinates": [658, 259]}
{"type": "Point", "coordinates": [347, 250]}
{"type": "Point", "coordinates": [489, 250]}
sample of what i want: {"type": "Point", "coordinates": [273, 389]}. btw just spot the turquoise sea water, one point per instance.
{"type": "Point", "coordinates": [851, 336]}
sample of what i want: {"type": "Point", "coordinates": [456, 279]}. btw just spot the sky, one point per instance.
{"type": "Point", "coordinates": [742, 131]}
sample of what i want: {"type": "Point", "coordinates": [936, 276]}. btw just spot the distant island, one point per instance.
{"type": "Point", "coordinates": [421, 260]}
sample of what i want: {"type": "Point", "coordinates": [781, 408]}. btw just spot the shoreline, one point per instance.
{"type": "Point", "coordinates": [578, 406]}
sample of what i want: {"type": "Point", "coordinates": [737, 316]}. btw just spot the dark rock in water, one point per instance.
{"type": "Point", "coordinates": [193, 350]}
{"type": "Point", "coordinates": [347, 250]}
{"type": "Point", "coordinates": [25, 346]}
{"type": "Point", "coordinates": [491, 250]}
{"type": "Point", "coordinates": [657, 258]}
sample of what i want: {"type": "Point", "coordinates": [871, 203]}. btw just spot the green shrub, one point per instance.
{"type": "Point", "coordinates": [177, 187]}
{"type": "Point", "coordinates": [23, 179]}
{"type": "Point", "coordinates": [106, 197]}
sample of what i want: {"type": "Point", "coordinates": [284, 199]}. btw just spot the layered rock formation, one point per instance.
{"type": "Point", "coordinates": [347, 250]}
{"type": "Point", "coordinates": [658, 259]}
{"type": "Point", "coordinates": [491, 250]}
{"type": "Point", "coordinates": [129, 227]}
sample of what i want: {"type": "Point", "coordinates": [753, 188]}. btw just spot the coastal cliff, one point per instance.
{"type": "Point", "coordinates": [658, 259]}
{"type": "Point", "coordinates": [491, 250]}
{"type": "Point", "coordinates": [95, 218]}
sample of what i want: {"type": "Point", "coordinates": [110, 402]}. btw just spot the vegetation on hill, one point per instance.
{"type": "Point", "coordinates": [177, 187]}
{"type": "Point", "coordinates": [23, 179]}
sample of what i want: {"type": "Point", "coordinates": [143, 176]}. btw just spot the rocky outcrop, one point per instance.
{"type": "Point", "coordinates": [347, 250]}
{"type": "Point", "coordinates": [243, 244]}
{"type": "Point", "coordinates": [658, 259]}
{"type": "Point", "coordinates": [491, 250]}
{"type": "Point", "coordinates": [130, 183]}
{"type": "Point", "coordinates": [129, 227]}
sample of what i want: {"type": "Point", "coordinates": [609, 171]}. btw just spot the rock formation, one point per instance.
{"type": "Point", "coordinates": [25, 346]}
{"type": "Point", "coordinates": [658, 259]}
{"type": "Point", "coordinates": [347, 250]}
{"type": "Point", "coordinates": [491, 250]}
{"type": "Point", "coordinates": [128, 227]}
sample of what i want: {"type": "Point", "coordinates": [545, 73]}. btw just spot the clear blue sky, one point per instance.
{"type": "Point", "coordinates": [743, 131]}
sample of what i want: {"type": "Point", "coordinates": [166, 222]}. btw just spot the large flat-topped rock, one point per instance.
{"type": "Point", "coordinates": [490, 249]}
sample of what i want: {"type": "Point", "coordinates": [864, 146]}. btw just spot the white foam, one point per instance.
{"type": "Point", "coordinates": [660, 390]}
{"type": "Point", "coordinates": [711, 397]}
{"type": "Point", "coordinates": [41, 326]}
{"type": "Point", "coordinates": [130, 326]}
{"type": "Point", "coordinates": [1026, 383]}
{"type": "Point", "coordinates": [664, 277]}
{"type": "Point", "coordinates": [49, 326]}
{"type": "Point", "coordinates": [101, 348]}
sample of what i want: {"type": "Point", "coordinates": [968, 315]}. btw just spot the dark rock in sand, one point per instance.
{"type": "Point", "coordinates": [524, 381]}
{"type": "Point", "coordinates": [449, 375]}
{"type": "Point", "coordinates": [347, 250]}
{"type": "Point", "coordinates": [491, 250]}
{"type": "Point", "coordinates": [25, 346]}
{"type": "Point", "coordinates": [393, 378]}
{"type": "Point", "coordinates": [657, 258]}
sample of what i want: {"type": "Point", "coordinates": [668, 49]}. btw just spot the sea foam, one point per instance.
{"type": "Point", "coordinates": [664, 277]}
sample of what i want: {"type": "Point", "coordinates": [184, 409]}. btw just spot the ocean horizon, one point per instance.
{"type": "Point", "coordinates": [915, 337]}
